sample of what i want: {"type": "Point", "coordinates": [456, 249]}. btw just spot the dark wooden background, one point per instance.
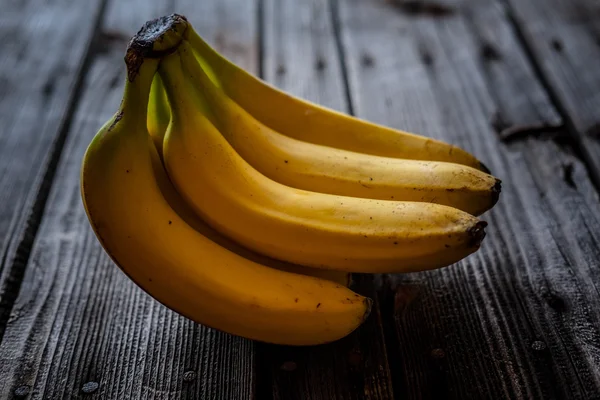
{"type": "Point", "coordinates": [516, 82]}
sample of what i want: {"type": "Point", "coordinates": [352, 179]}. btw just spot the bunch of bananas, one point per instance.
{"type": "Point", "coordinates": [245, 209]}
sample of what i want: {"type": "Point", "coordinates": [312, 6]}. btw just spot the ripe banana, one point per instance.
{"type": "Point", "coordinates": [310, 122]}
{"type": "Point", "coordinates": [159, 113]}
{"type": "Point", "coordinates": [298, 226]}
{"type": "Point", "coordinates": [318, 168]}
{"type": "Point", "coordinates": [159, 116]}
{"type": "Point", "coordinates": [121, 182]}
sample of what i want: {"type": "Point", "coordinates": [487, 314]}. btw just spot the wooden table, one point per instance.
{"type": "Point", "coordinates": [515, 82]}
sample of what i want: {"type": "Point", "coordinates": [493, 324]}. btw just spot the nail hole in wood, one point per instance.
{"type": "Point", "coordinates": [189, 376]}
{"type": "Point", "coordinates": [320, 64]}
{"type": "Point", "coordinates": [438, 353]}
{"type": "Point", "coordinates": [426, 57]}
{"type": "Point", "coordinates": [556, 45]}
{"type": "Point", "coordinates": [490, 53]}
{"type": "Point", "coordinates": [555, 302]}
{"type": "Point", "coordinates": [538, 345]}
{"type": "Point", "coordinates": [367, 60]}
{"type": "Point", "coordinates": [90, 387]}
{"type": "Point", "coordinates": [48, 88]}
{"type": "Point", "coordinates": [22, 391]}
{"type": "Point", "coordinates": [288, 366]}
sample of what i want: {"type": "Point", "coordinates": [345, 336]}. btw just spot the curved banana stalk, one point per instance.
{"type": "Point", "coordinates": [159, 113]}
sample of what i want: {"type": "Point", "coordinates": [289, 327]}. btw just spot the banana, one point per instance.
{"type": "Point", "coordinates": [310, 122]}
{"type": "Point", "coordinates": [187, 214]}
{"type": "Point", "coordinates": [318, 168]}
{"type": "Point", "coordinates": [302, 227]}
{"type": "Point", "coordinates": [159, 113]}
{"type": "Point", "coordinates": [159, 116]}
{"type": "Point", "coordinates": [121, 182]}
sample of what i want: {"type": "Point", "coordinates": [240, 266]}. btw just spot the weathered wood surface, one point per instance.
{"type": "Point", "coordinates": [564, 40]}
{"type": "Point", "coordinates": [519, 319]}
{"type": "Point", "coordinates": [300, 54]}
{"type": "Point", "coordinates": [80, 326]}
{"type": "Point", "coordinates": [40, 61]}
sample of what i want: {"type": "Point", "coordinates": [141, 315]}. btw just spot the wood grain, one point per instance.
{"type": "Point", "coordinates": [37, 91]}
{"type": "Point", "coordinates": [300, 56]}
{"type": "Point", "coordinates": [300, 53]}
{"type": "Point", "coordinates": [564, 40]}
{"type": "Point", "coordinates": [519, 319]}
{"type": "Point", "coordinates": [80, 326]}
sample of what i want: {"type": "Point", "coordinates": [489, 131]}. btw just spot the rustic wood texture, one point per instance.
{"type": "Point", "coordinates": [80, 326]}
{"type": "Point", "coordinates": [510, 81]}
{"type": "Point", "coordinates": [564, 40]}
{"type": "Point", "coordinates": [36, 92]}
{"type": "Point", "coordinates": [301, 57]}
{"type": "Point", "coordinates": [300, 54]}
{"type": "Point", "coordinates": [519, 319]}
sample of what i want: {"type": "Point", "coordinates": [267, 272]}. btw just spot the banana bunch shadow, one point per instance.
{"type": "Point", "coordinates": [246, 209]}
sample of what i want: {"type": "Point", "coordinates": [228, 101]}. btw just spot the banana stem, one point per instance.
{"type": "Point", "coordinates": [181, 93]}
{"type": "Point", "coordinates": [199, 71]}
{"type": "Point", "coordinates": [210, 95]}
{"type": "Point", "coordinates": [147, 47]}
{"type": "Point", "coordinates": [159, 113]}
{"type": "Point", "coordinates": [213, 57]}
{"type": "Point", "coordinates": [137, 91]}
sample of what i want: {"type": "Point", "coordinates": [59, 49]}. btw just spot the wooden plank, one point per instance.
{"type": "Point", "coordinates": [519, 319]}
{"type": "Point", "coordinates": [79, 325]}
{"type": "Point", "coordinates": [231, 26]}
{"type": "Point", "coordinates": [564, 38]}
{"type": "Point", "coordinates": [37, 87]}
{"type": "Point", "coordinates": [300, 56]}
{"type": "Point", "coordinates": [300, 53]}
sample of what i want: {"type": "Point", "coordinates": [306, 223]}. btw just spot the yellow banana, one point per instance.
{"type": "Point", "coordinates": [187, 214]}
{"type": "Point", "coordinates": [121, 191]}
{"type": "Point", "coordinates": [318, 168]}
{"type": "Point", "coordinates": [311, 122]}
{"type": "Point", "coordinates": [298, 226]}
{"type": "Point", "coordinates": [158, 119]}
{"type": "Point", "coordinates": [159, 114]}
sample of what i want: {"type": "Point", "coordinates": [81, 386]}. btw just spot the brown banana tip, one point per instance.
{"type": "Point", "coordinates": [155, 39]}
{"type": "Point", "coordinates": [496, 189]}
{"type": "Point", "coordinates": [477, 234]}
{"type": "Point", "coordinates": [369, 303]}
{"type": "Point", "coordinates": [485, 169]}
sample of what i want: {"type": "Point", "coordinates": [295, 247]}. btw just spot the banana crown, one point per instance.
{"type": "Point", "coordinates": [155, 39]}
{"type": "Point", "coordinates": [243, 208]}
